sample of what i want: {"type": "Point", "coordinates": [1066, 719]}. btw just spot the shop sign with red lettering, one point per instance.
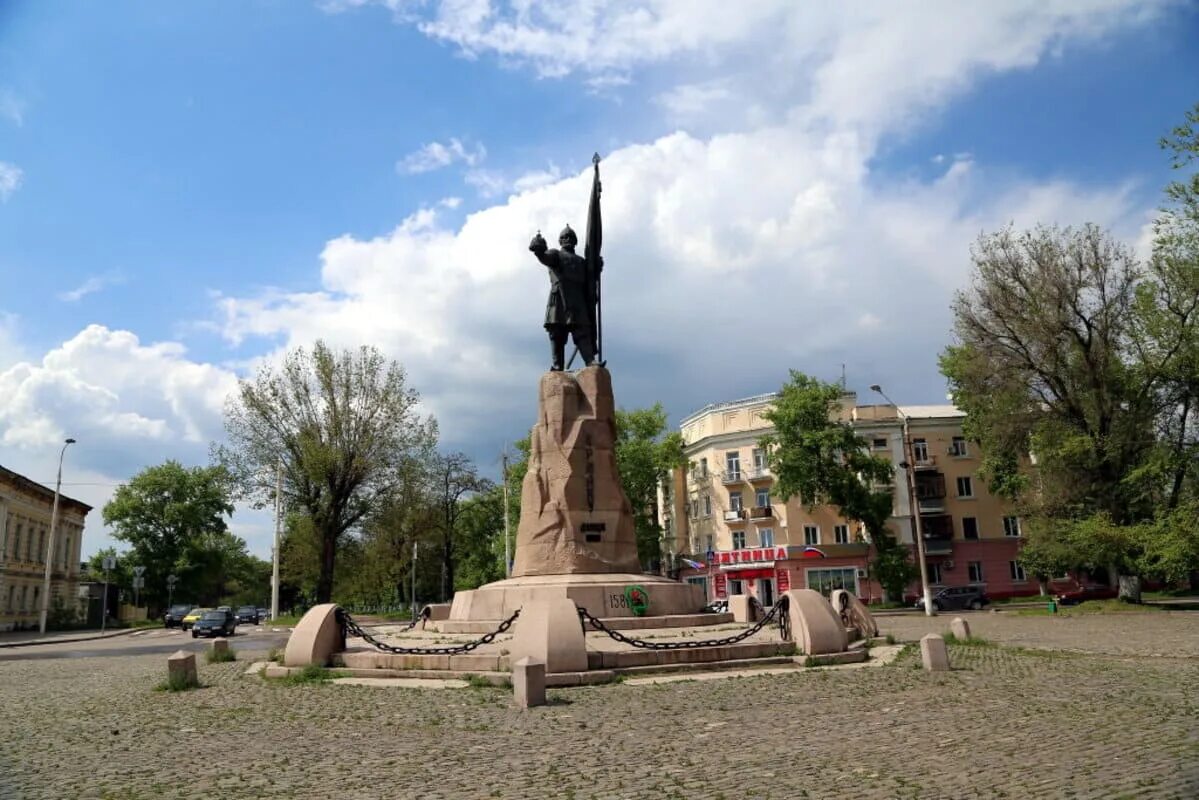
{"type": "Point", "coordinates": [722, 586]}
{"type": "Point", "coordinates": [783, 579]}
{"type": "Point", "coordinates": [757, 555]}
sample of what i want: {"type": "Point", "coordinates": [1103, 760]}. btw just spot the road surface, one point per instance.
{"type": "Point", "coordinates": [154, 640]}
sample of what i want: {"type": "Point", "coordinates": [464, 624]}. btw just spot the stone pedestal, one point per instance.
{"type": "Point", "coordinates": [575, 540]}
{"type": "Point", "coordinates": [528, 682]}
{"type": "Point", "coordinates": [315, 639]}
{"type": "Point", "coordinates": [960, 629]}
{"type": "Point", "coordinates": [816, 628]}
{"type": "Point", "coordinates": [742, 609]}
{"type": "Point", "coordinates": [549, 632]}
{"type": "Point", "coordinates": [574, 516]}
{"type": "Point", "coordinates": [181, 669]}
{"type": "Point", "coordinates": [933, 653]}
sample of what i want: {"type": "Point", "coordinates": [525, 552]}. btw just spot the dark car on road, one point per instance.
{"type": "Point", "coordinates": [955, 597]}
{"type": "Point", "coordinates": [215, 623]}
{"type": "Point", "coordinates": [175, 614]}
{"type": "Point", "coordinates": [248, 615]}
{"type": "Point", "coordinates": [1072, 594]}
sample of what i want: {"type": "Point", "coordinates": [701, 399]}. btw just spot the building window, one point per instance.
{"type": "Point", "coordinates": [693, 507]}
{"type": "Point", "coordinates": [766, 537]}
{"type": "Point", "coordinates": [738, 542]}
{"type": "Point", "coordinates": [734, 501]}
{"type": "Point", "coordinates": [16, 544]}
{"type": "Point", "coordinates": [969, 528]}
{"type": "Point", "coordinates": [841, 534]}
{"type": "Point", "coordinates": [826, 580]}
{"type": "Point", "coordinates": [40, 554]}
{"type": "Point", "coordinates": [736, 587]}
{"type": "Point", "coordinates": [1011, 527]}
{"type": "Point", "coordinates": [920, 450]}
{"type": "Point", "coordinates": [703, 467]}
{"type": "Point", "coordinates": [879, 444]}
{"type": "Point", "coordinates": [762, 498]}
{"type": "Point", "coordinates": [1017, 571]}
{"type": "Point", "coordinates": [707, 505]}
{"type": "Point", "coordinates": [759, 458]}
{"type": "Point", "coordinates": [811, 535]}
{"type": "Point", "coordinates": [958, 446]}
{"type": "Point", "coordinates": [965, 486]}
{"type": "Point", "coordinates": [732, 464]}
{"type": "Point", "coordinates": [976, 572]}
{"type": "Point", "coordinates": [934, 573]}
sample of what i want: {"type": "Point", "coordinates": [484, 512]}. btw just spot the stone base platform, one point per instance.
{"type": "Point", "coordinates": [603, 595]}
{"type": "Point", "coordinates": [615, 623]}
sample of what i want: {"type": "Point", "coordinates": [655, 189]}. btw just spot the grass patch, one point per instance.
{"type": "Point", "coordinates": [290, 620]}
{"type": "Point", "coordinates": [973, 641]}
{"type": "Point", "coordinates": [275, 655]}
{"type": "Point", "coordinates": [176, 682]}
{"type": "Point", "coordinates": [214, 656]}
{"type": "Point", "coordinates": [307, 675]}
{"type": "Point", "coordinates": [1089, 608]}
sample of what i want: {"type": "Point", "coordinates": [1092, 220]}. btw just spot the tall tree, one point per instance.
{"type": "Point", "coordinates": [646, 453]}
{"type": "Point", "coordinates": [820, 459]}
{"type": "Point", "coordinates": [172, 517]}
{"type": "Point", "coordinates": [455, 479]}
{"type": "Point", "coordinates": [1042, 365]}
{"type": "Point", "coordinates": [340, 425]}
{"type": "Point", "coordinates": [480, 544]}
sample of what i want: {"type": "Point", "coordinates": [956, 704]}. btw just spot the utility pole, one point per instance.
{"type": "Point", "coordinates": [275, 549]}
{"type": "Point", "coordinates": [914, 503]}
{"type": "Point", "coordinates": [50, 541]}
{"type": "Point", "coordinates": [108, 563]}
{"type": "Point", "coordinates": [414, 580]}
{"type": "Point", "coordinates": [507, 551]}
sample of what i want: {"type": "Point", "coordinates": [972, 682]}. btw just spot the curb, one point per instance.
{"type": "Point", "coordinates": [73, 639]}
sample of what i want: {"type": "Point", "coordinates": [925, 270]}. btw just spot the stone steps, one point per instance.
{"type": "Point", "coordinates": [623, 659]}
{"type": "Point", "coordinates": [615, 623]}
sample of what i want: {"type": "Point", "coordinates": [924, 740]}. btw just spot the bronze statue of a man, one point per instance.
{"type": "Point", "coordinates": [570, 307]}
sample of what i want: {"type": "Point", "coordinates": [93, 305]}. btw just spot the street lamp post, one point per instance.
{"type": "Point", "coordinates": [50, 541]}
{"type": "Point", "coordinates": [913, 503]}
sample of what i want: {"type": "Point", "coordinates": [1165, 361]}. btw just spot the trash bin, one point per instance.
{"type": "Point", "coordinates": [1052, 606]}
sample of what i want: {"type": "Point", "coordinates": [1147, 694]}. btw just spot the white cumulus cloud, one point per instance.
{"type": "Point", "coordinates": [435, 155]}
{"type": "Point", "coordinates": [10, 179]}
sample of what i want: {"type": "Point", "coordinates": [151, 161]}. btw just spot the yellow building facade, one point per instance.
{"type": "Point", "coordinates": [728, 529]}
{"type": "Point", "coordinates": [25, 511]}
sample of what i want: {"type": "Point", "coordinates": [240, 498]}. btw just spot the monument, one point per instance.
{"type": "Point", "coordinates": [576, 537]}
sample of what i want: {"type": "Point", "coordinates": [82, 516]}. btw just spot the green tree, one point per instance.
{"type": "Point", "coordinates": [480, 538]}
{"type": "Point", "coordinates": [342, 426]}
{"type": "Point", "coordinates": [172, 517]}
{"type": "Point", "coordinates": [455, 479]}
{"type": "Point", "coordinates": [646, 454]}
{"type": "Point", "coordinates": [820, 459]}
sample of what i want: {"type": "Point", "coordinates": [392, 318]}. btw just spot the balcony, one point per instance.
{"type": "Point", "coordinates": [732, 476]}
{"type": "Point", "coordinates": [932, 505]}
{"type": "Point", "coordinates": [760, 474]}
{"type": "Point", "coordinates": [734, 516]}
{"type": "Point", "coordinates": [937, 544]}
{"type": "Point", "coordinates": [924, 461]}
{"type": "Point", "coordinates": [761, 512]}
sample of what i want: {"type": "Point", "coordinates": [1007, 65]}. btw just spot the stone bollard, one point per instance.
{"type": "Point", "coordinates": [742, 609]}
{"type": "Point", "coordinates": [960, 629]}
{"type": "Point", "coordinates": [934, 653]}
{"type": "Point", "coordinates": [181, 669]}
{"type": "Point", "coordinates": [528, 682]}
{"type": "Point", "coordinates": [220, 648]}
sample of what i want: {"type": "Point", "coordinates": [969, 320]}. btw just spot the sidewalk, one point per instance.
{"type": "Point", "coordinates": [32, 638]}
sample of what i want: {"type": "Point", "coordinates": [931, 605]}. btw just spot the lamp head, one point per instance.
{"type": "Point", "coordinates": [70, 441]}
{"type": "Point", "coordinates": [874, 387]}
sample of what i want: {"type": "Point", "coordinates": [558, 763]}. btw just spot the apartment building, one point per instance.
{"type": "Point", "coordinates": [724, 515]}
{"type": "Point", "coordinates": [25, 511]}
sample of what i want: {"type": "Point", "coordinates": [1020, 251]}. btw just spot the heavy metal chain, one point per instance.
{"type": "Point", "coordinates": [352, 628]}
{"type": "Point", "coordinates": [779, 610]}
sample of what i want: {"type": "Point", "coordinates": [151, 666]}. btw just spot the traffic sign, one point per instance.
{"type": "Point", "coordinates": [109, 562]}
{"type": "Point", "coordinates": [139, 570]}
{"type": "Point", "coordinates": [139, 583]}
{"type": "Point", "coordinates": [172, 580]}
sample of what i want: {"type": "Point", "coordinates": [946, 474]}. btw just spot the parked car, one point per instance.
{"type": "Point", "coordinates": [215, 623]}
{"type": "Point", "coordinates": [192, 617]}
{"type": "Point", "coordinates": [955, 597]}
{"type": "Point", "coordinates": [248, 615]}
{"type": "Point", "coordinates": [264, 615]}
{"type": "Point", "coordinates": [1071, 594]}
{"type": "Point", "coordinates": [175, 615]}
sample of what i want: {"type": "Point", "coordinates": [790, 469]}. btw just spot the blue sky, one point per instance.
{"type": "Point", "coordinates": [189, 188]}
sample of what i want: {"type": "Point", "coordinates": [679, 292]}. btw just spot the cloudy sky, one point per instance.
{"type": "Point", "coordinates": [187, 189]}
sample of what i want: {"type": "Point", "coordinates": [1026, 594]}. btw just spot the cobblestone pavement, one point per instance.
{"type": "Point", "coordinates": [1162, 633]}
{"type": "Point", "coordinates": [1005, 723]}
